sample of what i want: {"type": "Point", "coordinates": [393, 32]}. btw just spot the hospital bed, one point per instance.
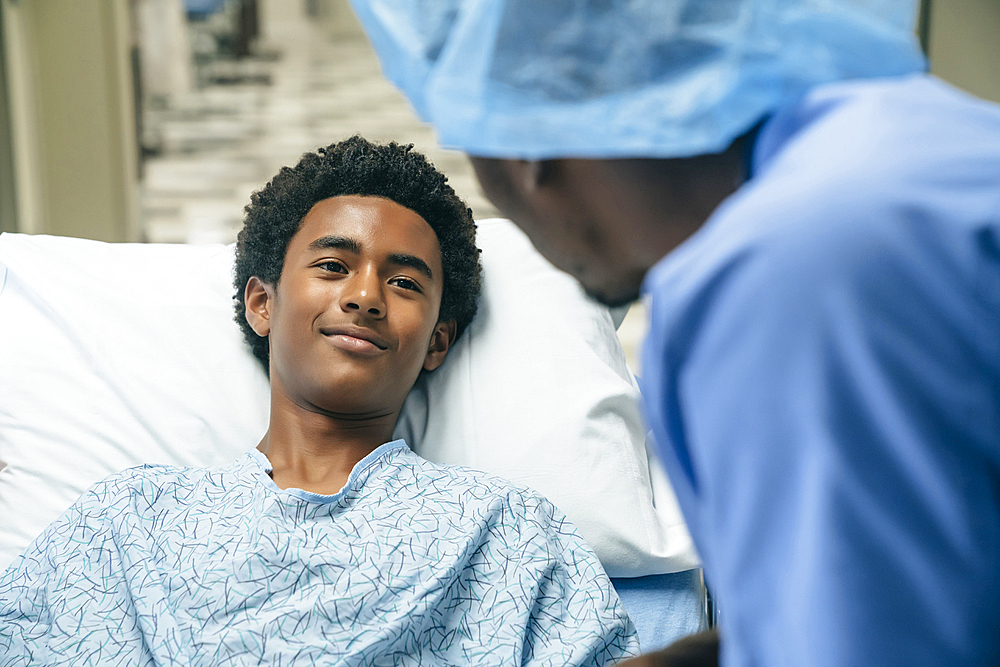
{"type": "Point", "coordinates": [113, 355]}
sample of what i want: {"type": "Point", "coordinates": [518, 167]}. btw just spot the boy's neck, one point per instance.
{"type": "Point", "coordinates": [316, 451]}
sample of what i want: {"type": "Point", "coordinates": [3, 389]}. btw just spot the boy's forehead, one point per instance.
{"type": "Point", "coordinates": [367, 214]}
{"type": "Point", "coordinates": [375, 223]}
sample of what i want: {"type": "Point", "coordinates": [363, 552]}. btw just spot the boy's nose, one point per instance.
{"type": "Point", "coordinates": [364, 294]}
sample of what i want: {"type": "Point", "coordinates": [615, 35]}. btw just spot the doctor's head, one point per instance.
{"type": "Point", "coordinates": [586, 117]}
{"type": "Point", "coordinates": [355, 270]}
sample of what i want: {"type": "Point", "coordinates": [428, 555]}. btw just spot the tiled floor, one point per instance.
{"type": "Point", "coordinates": [222, 142]}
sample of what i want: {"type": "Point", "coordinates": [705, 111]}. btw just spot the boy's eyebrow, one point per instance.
{"type": "Point", "coordinates": [338, 242]}
{"type": "Point", "coordinates": [352, 245]}
{"type": "Point", "coordinates": [413, 262]}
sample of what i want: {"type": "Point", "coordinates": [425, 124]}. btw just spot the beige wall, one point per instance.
{"type": "Point", "coordinates": [964, 44]}
{"type": "Point", "coordinates": [8, 187]}
{"type": "Point", "coordinates": [19, 68]}
{"type": "Point", "coordinates": [72, 118]}
{"type": "Point", "coordinates": [339, 20]}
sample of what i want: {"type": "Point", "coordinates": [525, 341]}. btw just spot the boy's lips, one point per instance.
{"type": "Point", "coordinates": [355, 339]}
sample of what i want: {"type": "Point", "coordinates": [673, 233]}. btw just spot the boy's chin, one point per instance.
{"type": "Point", "coordinates": [357, 400]}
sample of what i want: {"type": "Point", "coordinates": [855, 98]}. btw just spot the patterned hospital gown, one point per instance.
{"type": "Point", "coordinates": [410, 564]}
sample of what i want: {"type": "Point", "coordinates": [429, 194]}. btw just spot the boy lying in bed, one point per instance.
{"type": "Point", "coordinates": [329, 543]}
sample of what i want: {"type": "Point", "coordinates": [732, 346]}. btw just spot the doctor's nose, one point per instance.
{"type": "Point", "coordinates": [364, 294]}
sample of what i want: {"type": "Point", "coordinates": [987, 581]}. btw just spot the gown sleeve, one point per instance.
{"type": "Point", "coordinates": [65, 600]}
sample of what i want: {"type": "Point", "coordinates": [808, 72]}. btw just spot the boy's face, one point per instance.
{"type": "Point", "coordinates": [354, 317]}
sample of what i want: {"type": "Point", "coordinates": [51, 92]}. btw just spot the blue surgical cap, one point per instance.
{"type": "Point", "coordinates": [539, 79]}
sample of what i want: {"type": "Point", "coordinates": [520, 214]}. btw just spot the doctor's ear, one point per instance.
{"type": "Point", "coordinates": [536, 174]}
{"type": "Point", "coordinates": [441, 340]}
{"type": "Point", "coordinates": [257, 297]}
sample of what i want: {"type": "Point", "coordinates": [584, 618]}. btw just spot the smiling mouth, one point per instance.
{"type": "Point", "coordinates": [356, 339]}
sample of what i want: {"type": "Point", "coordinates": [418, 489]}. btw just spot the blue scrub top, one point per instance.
{"type": "Point", "coordinates": [822, 376]}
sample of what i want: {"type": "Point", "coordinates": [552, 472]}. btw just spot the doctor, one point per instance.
{"type": "Point", "coordinates": [815, 225]}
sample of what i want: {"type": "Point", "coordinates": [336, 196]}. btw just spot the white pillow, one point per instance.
{"type": "Point", "coordinates": [112, 355]}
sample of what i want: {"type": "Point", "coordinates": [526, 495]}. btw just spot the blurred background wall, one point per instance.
{"type": "Point", "coordinates": [70, 147]}
{"type": "Point", "coordinates": [130, 120]}
{"type": "Point", "coordinates": [964, 44]}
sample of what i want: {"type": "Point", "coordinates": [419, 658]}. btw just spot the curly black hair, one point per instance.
{"type": "Point", "coordinates": [357, 166]}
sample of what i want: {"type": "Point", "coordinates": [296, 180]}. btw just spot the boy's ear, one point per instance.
{"type": "Point", "coordinates": [441, 340]}
{"type": "Point", "coordinates": [258, 296]}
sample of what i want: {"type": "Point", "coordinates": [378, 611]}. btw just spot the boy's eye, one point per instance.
{"type": "Point", "coordinates": [333, 266]}
{"type": "Point", "coordinates": [405, 283]}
